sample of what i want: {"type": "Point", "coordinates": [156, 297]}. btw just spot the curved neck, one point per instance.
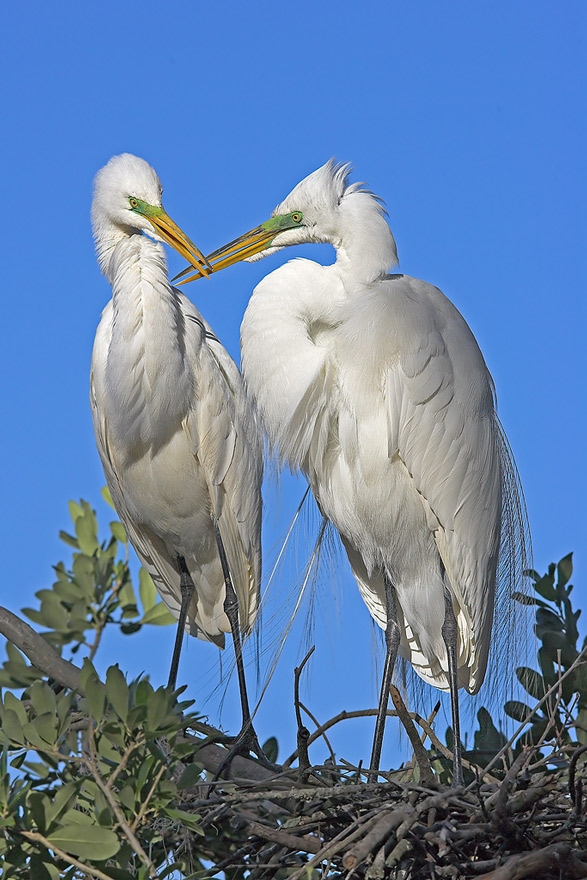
{"type": "Point", "coordinates": [365, 247]}
{"type": "Point", "coordinates": [149, 377]}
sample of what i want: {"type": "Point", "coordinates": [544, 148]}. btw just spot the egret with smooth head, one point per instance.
{"type": "Point", "coordinates": [177, 436]}
{"type": "Point", "coordinates": [374, 387]}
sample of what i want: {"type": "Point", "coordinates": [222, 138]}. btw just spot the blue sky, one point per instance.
{"type": "Point", "coordinates": [465, 117]}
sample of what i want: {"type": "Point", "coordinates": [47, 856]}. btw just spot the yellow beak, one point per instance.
{"type": "Point", "coordinates": [173, 235]}
{"type": "Point", "coordinates": [242, 247]}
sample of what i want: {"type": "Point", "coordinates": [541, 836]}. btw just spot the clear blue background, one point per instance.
{"type": "Point", "coordinates": [465, 117]}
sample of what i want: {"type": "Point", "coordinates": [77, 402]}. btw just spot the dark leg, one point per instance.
{"type": "Point", "coordinates": [247, 736]}
{"type": "Point", "coordinates": [186, 586]}
{"type": "Point", "coordinates": [392, 639]}
{"type": "Point", "coordinates": [450, 636]}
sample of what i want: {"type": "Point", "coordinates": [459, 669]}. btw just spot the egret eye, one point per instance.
{"type": "Point", "coordinates": [296, 217]}
{"type": "Point", "coordinates": [134, 203]}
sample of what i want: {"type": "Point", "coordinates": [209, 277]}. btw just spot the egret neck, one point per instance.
{"type": "Point", "coordinates": [149, 380]}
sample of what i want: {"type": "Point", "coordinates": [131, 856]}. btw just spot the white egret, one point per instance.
{"type": "Point", "coordinates": [374, 387]}
{"type": "Point", "coordinates": [178, 440]}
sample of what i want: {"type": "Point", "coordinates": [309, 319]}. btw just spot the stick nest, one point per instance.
{"type": "Point", "coordinates": [325, 822]}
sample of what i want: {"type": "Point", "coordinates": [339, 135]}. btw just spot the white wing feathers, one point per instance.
{"type": "Point", "coordinates": [223, 438]}
{"type": "Point", "coordinates": [227, 442]}
{"type": "Point", "coordinates": [442, 425]}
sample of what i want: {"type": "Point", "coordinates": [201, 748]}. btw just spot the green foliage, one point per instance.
{"type": "Point", "coordinates": [562, 718]}
{"type": "Point", "coordinates": [95, 779]}
{"type": "Point", "coordinates": [95, 591]}
{"type": "Point", "coordinates": [565, 712]}
{"type": "Point", "coordinates": [98, 781]}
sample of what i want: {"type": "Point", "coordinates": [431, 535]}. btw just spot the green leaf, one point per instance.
{"type": "Point", "coordinates": [158, 615]}
{"type": "Point", "coordinates": [192, 775]}
{"type": "Point", "coordinates": [517, 710]}
{"type": "Point", "coordinates": [94, 690]}
{"type": "Point", "coordinates": [86, 536]}
{"type": "Point", "coordinates": [66, 591]}
{"type": "Point", "coordinates": [564, 572]}
{"type": "Point", "coordinates": [53, 613]}
{"type": "Point", "coordinates": [545, 586]}
{"type": "Point", "coordinates": [83, 570]}
{"type": "Point", "coordinates": [271, 749]}
{"type": "Point", "coordinates": [126, 796]}
{"type": "Point", "coordinates": [189, 820]}
{"type": "Point", "coordinates": [117, 692]}
{"type": "Point", "coordinates": [126, 596]}
{"type": "Point", "coordinates": [119, 532]}
{"type": "Point", "coordinates": [531, 681]}
{"type": "Point", "coordinates": [546, 618]}
{"type": "Point", "coordinates": [534, 734]}
{"type": "Point", "coordinates": [105, 492]}
{"type": "Point", "coordinates": [42, 698]}
{"type": "Point", "coordinates": [147, 590]}
{"type": "Point", "coordinates": [68, 539]}
{"type": "Point", "coordinates": [12, 726]}
{"type": "Point", "coordinates": [17, 706]}
{"type": "Point", "coordinates": [41, 868]}
{"type": "Point", "coordinates": [38, 801]}
{"type": "Point", "coordinates": [75, 511]}
{"type": "Point", "coordinates": [86, 841]}
{"type": "Point", "coordinates": [157, 708]}
{"type": "Point", "coordinates": [129, 628]}
{"type": "Point", "coordinates": [42, 730]}
{"type": "Point", "coordinates": [547, 667]}
{"type": "Point", "coordinates": [63, 799]}
{"type": "Point", "coordinates": [553, 642]}
{"type": "Point", "coordinates": [488, 738]}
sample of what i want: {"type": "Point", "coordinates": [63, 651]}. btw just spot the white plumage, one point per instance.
{"type": "Point", "coordinates": [374, 387]}
{"type": "Point", "coordinates": [397, 436]}
{"type": "Point", "coordinates": [176, 435]}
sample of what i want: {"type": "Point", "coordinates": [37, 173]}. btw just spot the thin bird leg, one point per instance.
{"type": "Point", "coordinates": [450, 636]}
{"type": "Point", "coordinates": [187, 588]}
{"type": "Point", "coordinates": [247, 737]}
{"type": "Point", "coordinates": [392, 639]}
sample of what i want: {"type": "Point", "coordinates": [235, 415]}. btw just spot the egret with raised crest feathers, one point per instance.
{"type": "Point", "coordinates": [178, 439]}
{"type": "Point", "coordinates": [373, 385]}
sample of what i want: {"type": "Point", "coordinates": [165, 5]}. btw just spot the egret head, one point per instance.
{"type": "Point", "coordinates": [127, 201]}
{"type": "Point", "coordinates": [323, 207]}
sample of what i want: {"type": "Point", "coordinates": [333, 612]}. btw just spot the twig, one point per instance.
{"type": "Point", "coordinates": [557, 857]}
{"type": "Point", "coordinates": [398, 852]}
{"type": "Point", "coordinates": [446, 753]}
{"type": "Point", "coordinates": [375, 836]}
{"type": "Point", "coordinates": [343, 838]}
{"type": "Point", "coordinates": [132, 839]}
{"type": "Point", "coordinates": [304, 844]}
{"type": "Point", "coordinates": [324, 737]}
{"type": "Point", "coordinates": [38, 838]}
{"type": "Point", "coordinates": [342, 716]}
{"type": "Point", "coordinates": [131, 747]}
{"type": "Point", "coordinates": [420, 753]}
{"type": "Point", "coordinates": [144, 806]}
{"type": "Point", "coordinates": [303, 732]}
{"type": "Point", "coordinates": [428, 720]}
